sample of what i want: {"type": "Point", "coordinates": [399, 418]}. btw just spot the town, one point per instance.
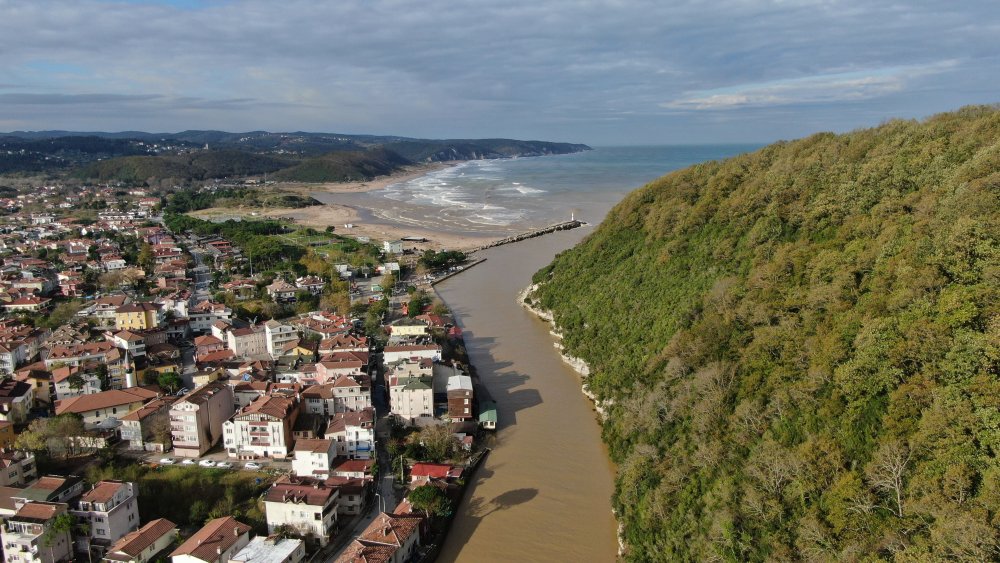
{"type": "Point", "coordinates": [246, 391]}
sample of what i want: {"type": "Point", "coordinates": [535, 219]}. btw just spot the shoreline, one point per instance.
{"type": "Point", "coordinates": [339, 215]}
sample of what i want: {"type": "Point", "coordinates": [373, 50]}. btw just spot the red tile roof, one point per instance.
{"type": "Point", "coordinates": [219, 534]}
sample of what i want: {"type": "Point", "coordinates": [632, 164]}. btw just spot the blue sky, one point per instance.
{"type": "Point", "coordinates": [599, 72]}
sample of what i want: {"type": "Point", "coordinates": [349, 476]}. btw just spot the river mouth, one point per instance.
{"type": "Point", "coordinates": [544, 492]}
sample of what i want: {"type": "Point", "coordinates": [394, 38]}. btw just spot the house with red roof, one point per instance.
{"type": "Point", "coordinates": [445, 471]}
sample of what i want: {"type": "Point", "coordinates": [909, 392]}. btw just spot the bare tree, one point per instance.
{"type": "Point", "coordinates": [887, 470]}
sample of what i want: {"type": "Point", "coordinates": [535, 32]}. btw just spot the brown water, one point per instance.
{"type": "Point", "coordinates": [544, 492]}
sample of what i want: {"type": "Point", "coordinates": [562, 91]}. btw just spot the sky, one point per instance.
{"type": "Point", "coordinates": [598, 72]}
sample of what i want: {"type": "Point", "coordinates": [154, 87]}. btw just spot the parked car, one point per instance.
{"type": "Point", "coordinates": [189, 461]}
{"type": "Point", "coordinates": [166, 461]}
{"type": "Point", "coordinates": [252, 466]}
{"type": "Point", "coordinates": [206, 463]}
{"type": "Point", "coordinates": [224, 465]}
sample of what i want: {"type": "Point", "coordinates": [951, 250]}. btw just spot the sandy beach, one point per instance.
{"type": "Point", "coordinates": [340, 216]}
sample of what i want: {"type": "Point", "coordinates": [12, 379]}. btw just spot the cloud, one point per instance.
{"type": "Point", "coordinates": [823, 88]}
{"type": "Point", "coordinates": [72, 99]}
{"type": "Point", "coordinates": [560, 69]}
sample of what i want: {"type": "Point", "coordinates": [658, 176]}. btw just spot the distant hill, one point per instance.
{"type": "Point", "coordinates": [344, 166]}
{"type": "Point", "coordinates": [798, 349]}
{"type": "Point", "coordinates": [200, 165]}
{"type": "Point", "coordinates": [197, 155]}
{"type": "Point", "coordinates": [438, 151]}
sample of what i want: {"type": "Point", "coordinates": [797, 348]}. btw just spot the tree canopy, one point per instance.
{"type": "Point", "coordinates": [798, 349]}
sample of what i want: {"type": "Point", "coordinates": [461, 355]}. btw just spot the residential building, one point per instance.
{"type": "Point", "coordinates": [216, 542]}
{"type": "Point", "coordinates": [7, 435]}
{"type": "Point", "coordinates": [279, 337]}
{"type": "Point", "coordinates": [52, 488]}
{"type": "Point", "coordinates": [111, 510]}
{"type": "Point", "coordinates": [16, 399]}
{"type": "Point", "coordinates": [143, 544]}
{"type": "Point", "coordinates": [306, 504]}
{"type": "Point", "coordinates": [27, 539]}
{"type": "Point", "coordinates": [196, 419]}
{"type": "Point", "coordinates": [392, 246]}
{"type": "Point", "coordinates": [390, 538]}
{"type": "Point", "coordinates": [262, 429]}
{"type": "Point", "coordinates": [460, 398]}
{"type": "Point", "coordinates": [74, 381]}
{"type": "Point", "coordinates": [411, 397]}
{"type": "Point", "coordinates": [392, 354]}
{"type": "Point", "coordinates": [105, 307]}
{"type": "Point", "coordinates": [346, 393]}
{"type": "Point", "coordinates": [353, 433]}
{"type": "Point", "coordinates": [203, 315]}
{"type": "Point", "coordinates": [312, 284]}
{"type": "Point", "coordinates": [17, 468]}
{"type": "Point", "coordinates": [249, 342]}
{"type": "Point", "coordinates": [148, 427]}
{"type": "Point", "coordinates": [314, 457]}
{"type": "Point", "coordinates": [207, 344]}
{"type": "Point", "coordinates": [138, 316]}
{"type": "Point", "coordinates": [106, 406]}
{"type": "Point", "coordinates": [281, 291]}
{"type": "Point", "coordinates": [272, 549]}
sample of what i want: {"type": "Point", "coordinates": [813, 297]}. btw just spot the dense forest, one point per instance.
{"type": "Point", "coordinates": [344, 166]}
{"type": "Point", "coordinates": [799, 348]}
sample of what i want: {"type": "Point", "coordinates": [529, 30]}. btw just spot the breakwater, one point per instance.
{"type": "Point", "coordinates": [564, 226]}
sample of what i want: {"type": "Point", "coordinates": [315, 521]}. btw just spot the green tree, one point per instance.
{"type": "Point", "coordinates": [431, 500]}
{"type": "Point", "coordinates": [169, 381]}
{"type": "Point", "coordinates": [438, 442]}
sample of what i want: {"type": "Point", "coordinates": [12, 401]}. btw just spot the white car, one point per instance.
{"type": "Point", "coordinates": [252, 466]}
{"type": "Point", "coordinates": [166, 461]}
{"type": "Point", "coordinates": [189, 461]}
{"type": "Point", "coordinates": [206, 463]}
{"type": "Point", "coordinates": [224, 465]}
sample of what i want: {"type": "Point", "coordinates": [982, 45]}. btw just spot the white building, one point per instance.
{"type": "Point", "coordinates": [392, 246]}
{"type": "Point", "coordinates": [411, 397]}
{"type": "Point", "coordinates": [353, 433]}
{"type": "Point", "coordinates": [249, 342]}
{"type": "Point", "coordinates": [314, 457]}
{"type": "Point", "coordinates": [345, 394]}
{"type": "Point", "coordinates": [307, 505]}
{"type": "Point", "coordinates": [111, 511]}
{"type": "Point", "coordinates": [279, 336]}
{"type": "Point", "coordinates": [143, 544]}
{"type": "Point", "coordinates": [24, 534]}
{"type": "Point", "coordinates": [271, 550]}
{"type": "Point", "coordinates": [393, 354]}
{"type": "Point", "coordinates": [262, 429]}
{"type": "Point", "coordinates": [17, 468]}
{"type": "Point", "coordinates": [203, 315]}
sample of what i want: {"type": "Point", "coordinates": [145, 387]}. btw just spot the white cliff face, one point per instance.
{"type": "Point", "coordinates": [524, 298]}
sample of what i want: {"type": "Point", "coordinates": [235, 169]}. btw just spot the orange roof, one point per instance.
{"type": "Point", "coordinates": [134, 543]}
{"type": "Point", "coordinates": [359, 552]}
{"type": "Point", "coordinates": [219, 534]}
{"type": "Point", "coordinates": [102, 492]}
{"type": "Point", "coordinates": [39, 511]}
{"type": "Point", "coordinates": [389, 529]}
{"type": "Point", "coordinates": [105, 399]}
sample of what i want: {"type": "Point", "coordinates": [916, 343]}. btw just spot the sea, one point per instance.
{"type": "Point", "coordinates": [508, 196]}
{"type": "Point", "coordinates": [544, 490]}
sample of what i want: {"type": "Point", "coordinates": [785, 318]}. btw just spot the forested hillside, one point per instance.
{"type": "Point", "coordinates": [344, 166]}
{"type": "Point", "coordinates": [799, 348]}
